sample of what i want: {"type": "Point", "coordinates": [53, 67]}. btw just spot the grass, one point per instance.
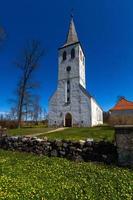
{"type": "Point", "coordinates": [28, 131]}
{"type": "Point", "coordinates": [97, 133]}
{"type": "Point", "coordinates": [25, 176]}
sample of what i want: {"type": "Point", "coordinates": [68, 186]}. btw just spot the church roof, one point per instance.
{"type": "Point", "coordinates": [123, 104]}
{"type": "Point", "coordinates": [85, 91]}
{"type": "Point", "coordinates": [72, 36]}
{"type": "Point", "coordinates": [88, 94]}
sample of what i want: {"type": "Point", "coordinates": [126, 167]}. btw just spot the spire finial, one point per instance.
{"type": "Point", "coordinates": [72, 12]}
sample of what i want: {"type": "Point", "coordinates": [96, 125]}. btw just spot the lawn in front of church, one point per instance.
{"type": "Point", "coordinates": [26, 176]}
{"type": "Point", "coordinates": [28, 131]}
{"type": "Point", "coordinates": [97, 133]}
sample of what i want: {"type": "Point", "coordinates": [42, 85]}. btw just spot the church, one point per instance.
{"type": "Point", "coordinates": [71, 105]}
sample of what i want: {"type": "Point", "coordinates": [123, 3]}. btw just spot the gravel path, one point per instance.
{"type": "Point", "coordinates": [45, 133]}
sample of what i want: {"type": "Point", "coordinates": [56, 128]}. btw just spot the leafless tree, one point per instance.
{"type": "Point", "coordinates": [45, 114]}
{"type": "Point", "coordinates": [27, 64]}
{"type": "Point", "coordinates": [37, 110]}
{"type": "Point", "coordinates": [13, 113]}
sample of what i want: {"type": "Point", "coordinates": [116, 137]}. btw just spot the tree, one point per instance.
{"type": "Point", "coordinates": [27, 64]}
{"type": "Point", "coordinates": [37, 110]}
{"type": "Point", "coordinates": [13, 113]}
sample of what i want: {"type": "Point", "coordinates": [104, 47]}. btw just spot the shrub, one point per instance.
{"type": "Point", "coordinates": [8, 124]}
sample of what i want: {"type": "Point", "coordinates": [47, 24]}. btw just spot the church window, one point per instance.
{"type": "Point", "coordinates": [73, 53]}
{"type": "Point", "coordinates": [68, 99]}
{"type": "Point", "coordinates": [68, 82]}
{"type": "Point", "coordinates": [64, 55]}
{"type": "Point", "coordinates": [67, 92]}
{"type": "Point", "coordinates": [68, 69]}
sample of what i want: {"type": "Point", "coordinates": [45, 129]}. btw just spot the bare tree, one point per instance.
{"type": "Point", "coordinates": [37, 110]}
{"type": "Point", "coordinates": [13, 113]}
{"type": "Point", "coordinates": [29, 62]}
{"type": "Point", "coordinates": [45, 114]}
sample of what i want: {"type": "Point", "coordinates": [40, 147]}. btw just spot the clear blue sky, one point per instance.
{"type": "Point", "coordinates": [105, 30]}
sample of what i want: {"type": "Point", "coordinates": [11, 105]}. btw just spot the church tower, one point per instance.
{"type": "Point", "coordinates": [71, 58]}
{"type": "Point", "coordinates": [71, 104]}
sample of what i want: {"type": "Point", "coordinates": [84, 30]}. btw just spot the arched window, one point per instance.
{"type": "Point", "coordinates": [73, 53]}
{"type": "Point", "coordinates": [64, 55]}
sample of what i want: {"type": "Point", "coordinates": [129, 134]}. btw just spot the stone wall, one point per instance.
{"type": "Point", "coordinates": [76, 151]}
{"type": "Point", "coordinates": [3, 131]}
{"type": "Point", "coordinates": [124, 142]}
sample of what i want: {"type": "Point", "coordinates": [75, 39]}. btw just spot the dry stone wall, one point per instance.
{"type": "Point", "coordinates": [76, 151]}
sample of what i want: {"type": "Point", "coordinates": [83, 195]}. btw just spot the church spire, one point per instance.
{"type": "Point", "coordinates": [72, 34]}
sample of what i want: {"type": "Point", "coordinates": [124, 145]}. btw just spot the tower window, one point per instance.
{"type": "Point", "coordinates": [73, 53]}
{"type": "Point", "coordinates": [68, 82]}
{"type": "Point", "coordinates": [67, 92]}
{"type": "Point", "coordinates": [68, 69]}
{"type": "Point", "coordinates": [68, 99]}
{"type": "Point", "coordinates": [64, 55]}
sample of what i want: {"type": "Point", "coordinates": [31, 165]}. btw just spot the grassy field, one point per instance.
{"type": "Point", "coordinates": [28, 131]}
{"type": "Point", "coordinates": [25, 176]}
{"type": "Point", "coordinates": [98, 133]}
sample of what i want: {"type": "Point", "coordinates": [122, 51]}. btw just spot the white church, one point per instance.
{"type": "Point", "coordinates": [71, 105]}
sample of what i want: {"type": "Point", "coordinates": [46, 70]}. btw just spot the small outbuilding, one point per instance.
{"type": "Point", "coordinates": [122, 112]}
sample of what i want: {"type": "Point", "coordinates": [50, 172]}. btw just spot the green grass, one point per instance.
{"type": "Point", "coordinates": [25, 176]}
{"type": "Point", "coordinates": [28, 131]}
{"type": "Point", "coordinates": [97, 133]}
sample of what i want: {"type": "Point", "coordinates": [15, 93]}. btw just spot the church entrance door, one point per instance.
{"type": "Point", "coordinates": [68, 120]}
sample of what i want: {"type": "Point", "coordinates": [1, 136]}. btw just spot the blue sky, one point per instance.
{"type": "Point", "coordinates": [105, 30]}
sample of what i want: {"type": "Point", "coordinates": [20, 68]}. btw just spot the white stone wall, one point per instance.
{"type": "Point", "coordinates": [85, 106]}
{"type": "Point", "coordinates": [96, 114]}
{"type": "Point", "coordinates": [82, 67]}
{"type": "Point", "coordinates": [84, 110]}
{"type": "Point", "coordinates": [79, 108]}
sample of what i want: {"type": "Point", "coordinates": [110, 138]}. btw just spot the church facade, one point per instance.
{"type": "Point", "coordinates": [71, 105]}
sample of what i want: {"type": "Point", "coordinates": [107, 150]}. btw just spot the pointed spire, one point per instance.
{"type": "Point", "coordinates": [72, 34]}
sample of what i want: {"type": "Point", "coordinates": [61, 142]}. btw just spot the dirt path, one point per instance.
{"type": "Point", "coordinates": [45, 133]}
